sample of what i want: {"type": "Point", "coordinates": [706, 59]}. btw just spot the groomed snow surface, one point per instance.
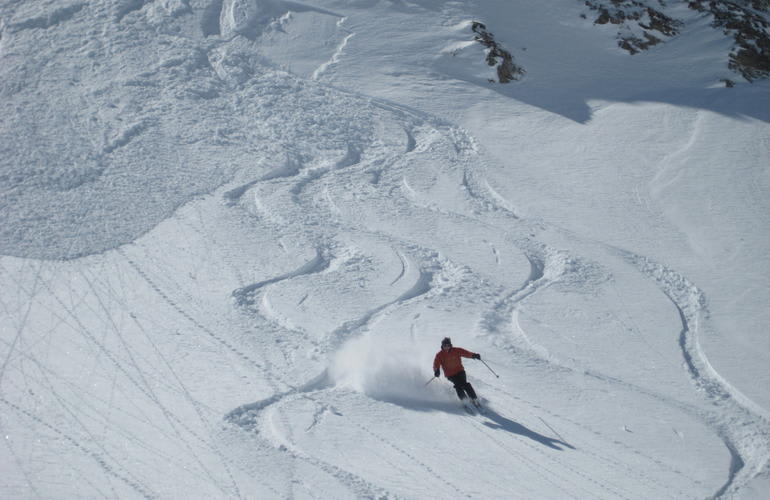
{"type": "Point", "coordinates": [234, 233]}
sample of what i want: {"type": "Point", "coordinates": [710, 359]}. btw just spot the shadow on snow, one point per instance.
{"type": "Point", "coordinates": [498, 421]}
{"type": "Point", "coordinates": [493, 419]}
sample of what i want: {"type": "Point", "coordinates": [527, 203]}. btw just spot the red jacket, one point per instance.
{"type": "Point", "coordinates": [450, 360]}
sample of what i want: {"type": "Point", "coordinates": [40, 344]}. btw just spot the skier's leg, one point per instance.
{"type": "Point", "coordinates": [459, 383]}
{"type": "Point", "coordinates": [469, 390]}
{"type": "Point", "coordinates": [462, 381]}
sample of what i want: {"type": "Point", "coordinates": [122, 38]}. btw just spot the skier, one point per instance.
{"type": "Point", "coordinates": [448, 358]}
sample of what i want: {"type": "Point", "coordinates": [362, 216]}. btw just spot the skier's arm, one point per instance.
{"type": "Point", "coordinates": [468, 354]}
{"type": "Point", "coordinates": [436, 364]}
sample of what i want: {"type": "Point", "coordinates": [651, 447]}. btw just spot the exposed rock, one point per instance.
{"type": "Point", "coordinates": [643, 24]}
{"type": "Point", "coordinates": [507, 70]}
{"type": "Point", "coordinates": [747, 22]}
{"type": "Point", "coordinates": [650, 24]}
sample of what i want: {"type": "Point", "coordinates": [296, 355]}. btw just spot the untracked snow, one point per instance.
{"type": "Point", "coordinates": [234, 232]}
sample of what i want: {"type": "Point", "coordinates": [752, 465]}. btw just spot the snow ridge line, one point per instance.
{"type": "Point", "coordinates": [336, 56]}
{"type": "Point", "coordinates": [245, 415]}
{"type": "Point", "coordinates": [538, 280]}
{"type": "Point", "coordinates": [289, 169]}
{"type": "Point", "coordinates": [244, 296]}
{"type": "Point", "coordinates": [346, 331]}
{"type": "Point", "coordinates": [742, 424]}
{"type": "Point", "coordinates": [544, 271]}
{"type": "Point", "coordinates": [124, 137]}
{"type": "Point", "coordinates": [248, 415]}
{"type": "Point", "coordinates": [404, 266]}
{"type": "Point", "coordinates": [665, 175]}
{"type": "Point", "coordinates": [352, 157]}
{"type": "Point", "coordinates": [411, 142]}
{"type": "Point", "coordinates": [542, 355]}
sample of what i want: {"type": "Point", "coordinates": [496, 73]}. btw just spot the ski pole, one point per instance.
{"type": "Point", "coordinates": [429, 381]}
{"type": "Point", "coordinates": [490, 369]}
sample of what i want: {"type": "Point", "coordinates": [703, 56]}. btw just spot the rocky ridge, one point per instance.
{"type": "Point", "coordinates": [643, 24]}
{"type": "Point", "coordinates": [497, 55]}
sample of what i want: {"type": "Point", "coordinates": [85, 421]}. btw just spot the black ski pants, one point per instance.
{"type": "Point", "coordinates": [462, 386]}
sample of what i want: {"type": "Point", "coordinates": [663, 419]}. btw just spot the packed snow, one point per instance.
{"type": "Point", "coordinates": [234, 232]}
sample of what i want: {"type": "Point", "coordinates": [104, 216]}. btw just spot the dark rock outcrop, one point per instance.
{"type": "Point", "coordinates": [654, 25]}
{"type": "Point", "coordinates": [643, 24]}
{"type": "Point", "coordinates": [507, 70]}
{"type": "Point", "coordinates": [747, 22]}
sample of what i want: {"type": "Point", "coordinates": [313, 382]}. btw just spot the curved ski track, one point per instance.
{"type": "Point", "coordinates": [742, 425]}
{"type": "Point", "coordinates": [548, 266]}
{"type": "Point", "coordinates": [305, 208]}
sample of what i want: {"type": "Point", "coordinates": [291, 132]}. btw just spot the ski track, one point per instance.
{"type": "Point", "coordinates": [497, 319]}
{"type": "Point", "coordinates": [245, 296]}
{"type": "Point", "coordinates": [441, 479]}
{"type": "Point", "coordinates": [547, 265]}
{"type": "Point", "coordinates": [741, 425]}
{"type": "Point", "coordinates": [269, 374]}
{"type": "Point", "coordinates": [546, 268]}
{"type": "Point", "coordinates": [187, 316]}
{"type": "Point", "coordinates": [551, 473]}
{"type": "Point", "coordinates": [246, 416]}
{"type": "Point", "coordinates": [145, 387]}
{"type": "Point", "coordinates": [352, 328]}
{"type": "Point", "coordinates": [539, 469]}
{"type": "Point", "coordinates": [537, 410]}
{"type": "Point", "coordinates": [133, 484]}
{"type": "Point", "coordinates": [749, 458]}
{"type": "Point", "coordinates": [544, 271]}
{"type": "Point", "coordinates": [355, 482]}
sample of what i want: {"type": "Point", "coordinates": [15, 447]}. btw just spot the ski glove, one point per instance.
{"type": "Point", "coordinates": [476, 356]}
{"type": "Point", "coordinates": [436, 373]}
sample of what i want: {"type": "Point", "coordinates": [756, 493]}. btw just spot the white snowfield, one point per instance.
{"type": "Point", "coordinates": [234, 233]}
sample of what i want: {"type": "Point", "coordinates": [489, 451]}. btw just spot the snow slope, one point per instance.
{"type": "Point", "coordinates": [234, 232]}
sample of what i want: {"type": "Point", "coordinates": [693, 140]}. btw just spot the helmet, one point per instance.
{"type": "Point", "coordinates": [446, 341]}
